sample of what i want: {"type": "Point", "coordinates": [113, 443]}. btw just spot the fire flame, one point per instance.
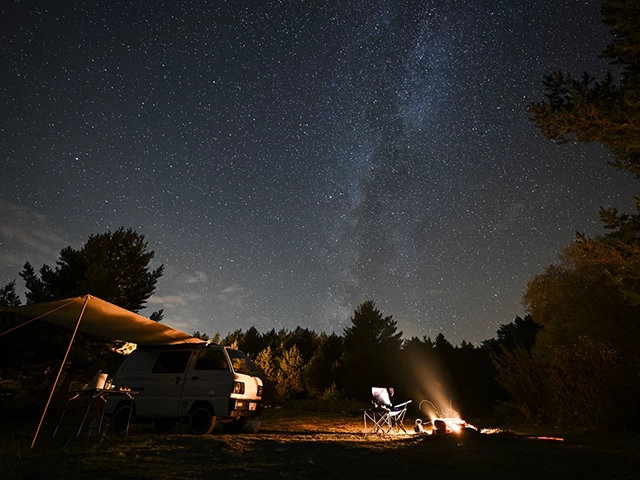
{"type": "Point", "coordinates": [451, 425]}
{"type": "Point", "coordinates": [447, 420]}
{"type": "Point", "coordinates": [444, 419]}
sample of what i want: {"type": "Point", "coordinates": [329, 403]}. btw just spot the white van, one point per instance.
{"type": "Point", "coordinates": [200, 384]}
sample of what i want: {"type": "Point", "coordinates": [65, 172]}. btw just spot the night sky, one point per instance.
{"type": "Point", "coordinates": [287, 160]}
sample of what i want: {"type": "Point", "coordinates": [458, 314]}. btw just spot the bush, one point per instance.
{"type": "Point", "coordinates": [594, 385]}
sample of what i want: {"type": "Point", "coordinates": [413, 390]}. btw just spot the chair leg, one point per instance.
{"type": "Point", "coordinates": [369, 419]}
{"type": "Point", "coordinates": [385, 422]}
{"type": "Point", "coordinates": [377, 422]}
{"type": "Point", "coordinates": [399, 422]}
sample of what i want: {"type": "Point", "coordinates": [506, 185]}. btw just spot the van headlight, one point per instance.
{"type": "Point", "coordinates": [259, 390]}
{"type": "Point", "coordinates": [238, 387]}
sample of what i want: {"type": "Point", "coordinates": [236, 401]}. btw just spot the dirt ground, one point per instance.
{"type": "Point", "coordinates": [294, 444]}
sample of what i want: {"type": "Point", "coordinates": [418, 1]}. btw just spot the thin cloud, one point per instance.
{"type": "Point", "coordinates": [197, 277]}
{"type": "Point", "coordinates": [168, 300]}
{"type": "Point", "coordinates": [27, 235]}
{"type": "Point", "coordinates": [233, 295]}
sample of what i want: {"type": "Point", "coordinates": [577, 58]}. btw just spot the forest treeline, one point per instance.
{"type": "Point", "coordinates": [301, 363]}
{"type": "Point", "coordinates": [298, 364]}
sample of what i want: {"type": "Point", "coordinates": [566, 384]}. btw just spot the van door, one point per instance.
{"type": "Point", "coordinates": [209, 379]}
{"type": "Point", "coordinates": [163, 388]}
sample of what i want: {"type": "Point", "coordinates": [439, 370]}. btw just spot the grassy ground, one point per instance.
{"type": "Point", "coordinates": [294, 444]}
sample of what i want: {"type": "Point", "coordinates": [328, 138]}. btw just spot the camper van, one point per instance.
{"type": "Point", "coordinates": [196, 384]}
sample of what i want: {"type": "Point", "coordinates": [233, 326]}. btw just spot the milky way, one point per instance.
{"type": "Point", "coordinates": [287, 160]}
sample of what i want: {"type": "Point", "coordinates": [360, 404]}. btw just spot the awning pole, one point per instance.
{"type": "Point", "coordinates": [60, 371]}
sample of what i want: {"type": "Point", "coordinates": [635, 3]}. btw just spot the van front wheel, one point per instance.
{"type": "Point", "coordinates": [201, 421]}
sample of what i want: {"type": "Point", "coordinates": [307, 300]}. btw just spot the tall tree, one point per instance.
{"type": "Point", "coordinates": [252, 342]}
{"type": "Point", "coordinates": [590, 323]}
{"type": "Point", "coordinates": [290, 374]}
{"type": "Point", "coordinates": [306, 340]}
{"type": "Point", "coordinates": [372, 346]}
{"type": "Point", "coordinates": [589, 303]}
{"type": "Point", "coordinates": [324, 368]}
{"type": "Point", "coordinates": [587, 109]}
{"type": "Point", "coordinates": [521, 332]}
{"type": "Point", "coordinates": [579, 296]}
{"type": "Point", "coordinates": [268, 366]}
{"type": "Point", "coordinates": [8, 295]}
{"type": "Point", "coordinates": [113, 266]}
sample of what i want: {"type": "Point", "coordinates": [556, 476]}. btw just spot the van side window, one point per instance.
{"type": "Point", "coordinates": [171, 362]}
{"type": "Point", "coordinates": [139, 361]}
{"type": "Point", "coordinates": [211, 360]}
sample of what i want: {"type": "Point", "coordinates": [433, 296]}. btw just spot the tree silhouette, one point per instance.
{"type": "Point", "coordinates": [521, 332]}
{"type": "Point", "coordinates": [372, 346]}
{"type": "Point", "coordinates": [587, 109]}
{"type": "Point", "coordinates": [325, 367]}
{"type": "Point", "coordinates": [8, 295]}
{"type": "Point", "coordinates": [589, 302]}
{"type": "Point", "coordinates": [111, 266]}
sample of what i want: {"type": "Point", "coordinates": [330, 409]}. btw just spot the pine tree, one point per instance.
{"type": "Point", "coordinates": [588, 303]}
{"type": "Point", "coordinates": [607, 111]}
{"type": "Point", "coordinates": [8, 295]}
{"type": "Point", "coordinates": [372, 345]}
{"type": "Point", "coordinates": [266, 363]}
{"type": "Point", "coordinates": [290, 375]}
{"type": "Point", "coordinates": [110, 266]}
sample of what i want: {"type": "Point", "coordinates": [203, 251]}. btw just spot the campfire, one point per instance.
{"type": "Point", "coordinates": [446, 421]}
{"type": "Point", "coordinates": [450, 425]}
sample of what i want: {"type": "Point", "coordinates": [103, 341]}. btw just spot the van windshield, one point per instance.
{"type": "Point", "coordinates": [241, 363]}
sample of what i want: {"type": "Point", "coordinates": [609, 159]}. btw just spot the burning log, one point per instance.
{"type": "Point", "coordinates": [445, 421]}
{"type": "Point", "coordinates": [443, 426]}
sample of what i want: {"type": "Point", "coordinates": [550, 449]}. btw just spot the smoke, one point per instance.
{"type": "Point", "coordinates": [429, 384]}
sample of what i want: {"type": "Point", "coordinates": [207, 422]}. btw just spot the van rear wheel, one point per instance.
{"type": "Point", "coordinates": [121, 419]}
{"type": "Point", "coordinates": [201, 421]}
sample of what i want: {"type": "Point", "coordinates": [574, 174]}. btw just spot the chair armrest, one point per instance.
{"type": "Point", "coordinates": [403, 404]}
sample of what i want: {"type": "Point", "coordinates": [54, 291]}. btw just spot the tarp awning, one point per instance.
{"type": "Point", "coordinates": [104, 319]}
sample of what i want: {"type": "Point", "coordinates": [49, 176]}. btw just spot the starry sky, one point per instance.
{"type": "Point", "coordinates": [287, 160]}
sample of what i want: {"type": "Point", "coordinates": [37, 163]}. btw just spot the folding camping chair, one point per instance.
{"type": "Point", "coordinates": [384, 416]}
{"type": "Point", "coordinates": [376, 420]}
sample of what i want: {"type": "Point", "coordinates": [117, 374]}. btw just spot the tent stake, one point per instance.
{"type": "Point", "coordinates": [55, 384]}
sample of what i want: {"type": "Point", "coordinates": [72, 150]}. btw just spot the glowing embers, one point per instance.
{"type": "Point", "coordinates": [443, 426]}
{"type": "Point", "coordinates": [445, 420]}
{"type": "Point", "coordinates": [549, 439]}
